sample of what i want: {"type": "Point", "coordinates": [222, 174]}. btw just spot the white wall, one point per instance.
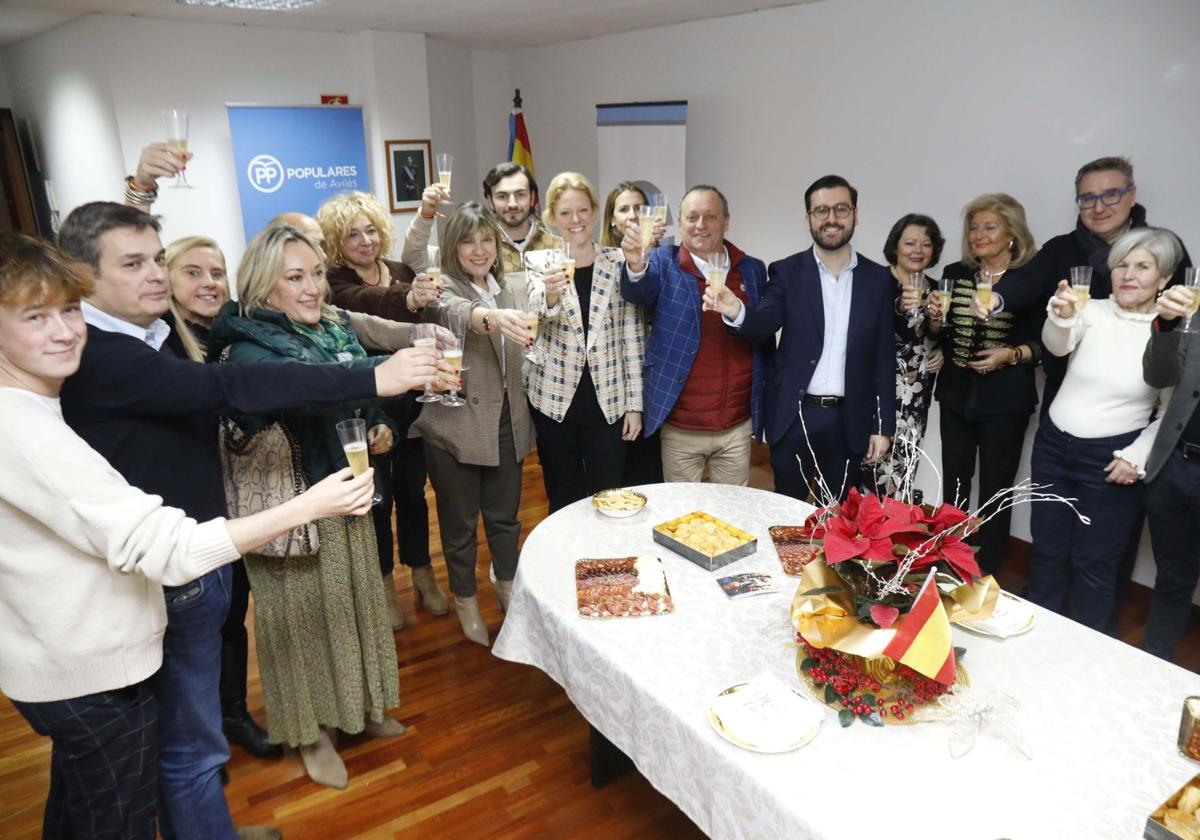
{"type": "Point", "coordinates": [95, 108]}
{"type": "Point", "coordinates": [922, 104]}
{"type": "Point", "coordinates": [452, 112]}
{"type": "Point", "coordinates": [493, 102]}
{"type": "Point", "coordinates": [5, 93]}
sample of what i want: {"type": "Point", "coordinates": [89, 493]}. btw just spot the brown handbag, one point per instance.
{"type": "Point", "coordinates": [262, 471]}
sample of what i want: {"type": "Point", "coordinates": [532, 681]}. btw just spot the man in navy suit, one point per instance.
{"type": "Point", "coordinates": [831, 384]}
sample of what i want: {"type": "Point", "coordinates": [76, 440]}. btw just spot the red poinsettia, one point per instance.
{"type": "Point", "coordinates": [950, 547]}
{"type": "Point", "coordinates": [867, 532]}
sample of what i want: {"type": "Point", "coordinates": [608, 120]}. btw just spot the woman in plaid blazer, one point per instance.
{"type": "Point", "coordinates": [587, 394]}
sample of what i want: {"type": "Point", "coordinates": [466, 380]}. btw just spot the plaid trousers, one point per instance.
{"type": "Point", "coordinates": [103, 765]}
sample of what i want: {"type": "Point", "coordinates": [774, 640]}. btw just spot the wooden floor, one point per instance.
{"type": "Point", "coordinates": [493, 749]}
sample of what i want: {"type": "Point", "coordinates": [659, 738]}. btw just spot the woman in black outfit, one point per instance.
{"type": "Point", "coordinates": [986, 388]}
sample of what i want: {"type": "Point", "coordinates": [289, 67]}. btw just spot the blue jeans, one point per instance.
{"type": "Point", "coordinates": [1173, 510]}
{"type": "Point", "coordinates": [1072, 566]}
{"type": "Point", "coordinates": [192, 747]}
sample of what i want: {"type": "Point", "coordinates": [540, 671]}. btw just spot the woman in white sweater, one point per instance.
{"type": "Point", "coordinates": [1093, 443]}
{"type": "Point", "coordinates": [83, 558]}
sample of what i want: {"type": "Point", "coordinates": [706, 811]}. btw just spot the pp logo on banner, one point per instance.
{"type": "Point", "coordinates": [265, 173]}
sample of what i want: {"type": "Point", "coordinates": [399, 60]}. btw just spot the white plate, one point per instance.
{"type": "Point", "coordinates": [618, 514]}
{"type": "Point", "coordinates": [1012, 617]}
{"type": "Point", "coordinates": [781, 745]}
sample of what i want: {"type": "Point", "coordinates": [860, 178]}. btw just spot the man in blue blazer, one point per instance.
{"type": "Point", "coordinates": [702, 384]}
{"type": "Point", "coordinates": [831, 384]}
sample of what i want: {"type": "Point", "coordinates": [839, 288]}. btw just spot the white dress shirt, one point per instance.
{"type": "Point", "coordinates": [154, 335]}
{"type": "Point", "coordinates": [488, 297]}
{"type": "Point", "coordinates": [829, 377]}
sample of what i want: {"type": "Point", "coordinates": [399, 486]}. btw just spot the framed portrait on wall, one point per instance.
{"type": "Point", "coordinates": [410, 169]}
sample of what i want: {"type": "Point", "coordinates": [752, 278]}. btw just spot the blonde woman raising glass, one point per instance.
{"type": "Point", "coordinates": [587, 395]}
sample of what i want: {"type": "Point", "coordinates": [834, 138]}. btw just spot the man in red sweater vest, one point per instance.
{"type": "Point", "coordinates": [702, 384]}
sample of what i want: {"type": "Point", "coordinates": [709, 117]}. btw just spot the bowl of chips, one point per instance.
{"type": "Point", "coordinates": [619, 504]}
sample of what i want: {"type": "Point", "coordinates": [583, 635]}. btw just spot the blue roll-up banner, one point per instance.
{"type": "Point", "coordinates": [292, 159]}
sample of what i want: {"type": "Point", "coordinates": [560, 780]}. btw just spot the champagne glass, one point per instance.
{"type": "Point", "coordinates": [945, 293]}
{"type": "Point", "coordinates": [434, 270]}
{"type": "Point", "coordinates": [984, 280]}
{"type": "Point", "coordinates": [177, 136]}
{"type": "Point", "coordinates": [718, 271]}
{"type": "Point", "coordinates": [660, 207]}
{"type": "Point", "coordinates": [916, 282]}
{"type": "Point", "coordinates": [425, 335]}
{"type": "Point", "coordinates": [529, 312]}
{"type": "Point", "coordinates": [1081, 285]}
{"type": "Point", "coordinates": [568, 254]}
{"type": "Point", "coordinates": [353, 435]}
{"type": "Point", "coordinates": [445, 164]}
{"type": "Point", "coordinates": [646, 226]}
{"type": "Point", "coordinates": [1191, 282]}
{"type": "Point", "coordinates": [454, 356]}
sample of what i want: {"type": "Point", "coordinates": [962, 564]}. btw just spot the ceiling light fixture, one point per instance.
{"type": "Point", "coordinates": [256, 5]}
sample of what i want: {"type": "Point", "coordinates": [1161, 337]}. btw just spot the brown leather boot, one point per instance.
{"type": "Point", "coordinates": [395, 614]}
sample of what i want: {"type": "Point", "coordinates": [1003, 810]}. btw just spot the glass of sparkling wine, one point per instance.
{"type": "Point", "coordinates": [916, 282]}
{"type": "Point", "coordinates": [945, 292]}
{"type": "Point", "coordinates": [567, 260]}
{"type": "Point", "coordinates": [454, 356]}
{"type": "Point", "coordinates": [646, 226]}
{"type": "Point", "coordinates": [529, 312]}
{"type": "Point", "coordinates": [660, 208]}
{"type": "Point", "coordinates": [353, 435]}
{"type": "Point", "coordinates": [177, 136]}
{"type": "Point", "coordinates": [1191, 282]}
{"type": "Point", "coordinates": [983, 292]}
{"type": "Point", "coordinates": [425, 335]}
{"type": "Point", "coordinates": [445, 165]}
{"type": "Point", "coordinates": [434, 269]}
{"type": "Point", "coordinates": [1081, 285]}
{"type": "Point", "coordinates": [718, 271]}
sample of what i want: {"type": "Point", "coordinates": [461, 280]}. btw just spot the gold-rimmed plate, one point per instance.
{"type": "Point", "coordinates": [778, 741]}
{"type": "Point", "coordinates": [1012, 616]}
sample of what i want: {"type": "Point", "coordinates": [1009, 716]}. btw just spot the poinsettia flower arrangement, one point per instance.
{"type": "Point", "coordinates": [881, 550]}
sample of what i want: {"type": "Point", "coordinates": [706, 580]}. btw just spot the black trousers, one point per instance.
{"type": "Point", "coordinates": [235, 645]}
{"type": "Point", "coordinates": [643, 461]}
{"type": "Point", "coordinates": [400, 479]}
{"type": "Point", "coordinates": [792, 456]}
{"type": "Point", "coordinates": [103, 764]}
{"type": "Point", "coordinates": [578, 461]}
{"type": "Point", "coordinates": [997, 443]}
{"type": "Point", "coordinates": [1173, 510]}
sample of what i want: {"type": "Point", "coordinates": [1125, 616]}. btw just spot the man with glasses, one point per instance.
{"type": "Point", "coordinates": [1106, 196]}
{"type": "Point", "coordinates": [831, 383]}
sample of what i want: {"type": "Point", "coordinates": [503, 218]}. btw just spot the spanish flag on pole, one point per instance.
{"type": "Point", "coordinates": [518, 138]}
{"type": "Point", "coordinates": [922, 640]}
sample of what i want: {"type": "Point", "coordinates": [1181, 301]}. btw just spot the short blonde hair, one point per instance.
{"type": "Point", "coordinates": [1012, 214]}
{"type": "Point", "coordinates": [567, 181]}
{"type": "Point", "coordinates": [262, 266]}
{"type": "Point", "coordinates": [467, 218]}
{"type": "Point", "coordinates": [337, 215]}
{"type": "Point", "coordinates": [175, 252]}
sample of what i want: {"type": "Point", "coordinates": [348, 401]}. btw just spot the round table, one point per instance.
{"type": "Point", "coordinates": [1100, 715]}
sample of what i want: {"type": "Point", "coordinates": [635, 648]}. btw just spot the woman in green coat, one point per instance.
{"type": "Point", "coordinates": [325, 647]}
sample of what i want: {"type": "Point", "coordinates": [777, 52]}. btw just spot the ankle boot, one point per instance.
{"type": "Point", "coordinates": [322, 763]}
{"type": "Point", "coordinates": [386, 728]}
{"type": "Point", "coordinates": [503, 593]}
{"type": "Point", "coordinates": [432, 596]}
{"type": "Point", "coordinates": [395, 614]}
{"type": "Point", "coordinates": [473, 627]}
{"type": "Point", "coordinates": [241, 729]}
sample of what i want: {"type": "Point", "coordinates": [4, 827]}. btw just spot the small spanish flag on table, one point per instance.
{"type": "Point", "coordinates": [922, 640]}
{"type": "Point", "coordinates": [518, 138]}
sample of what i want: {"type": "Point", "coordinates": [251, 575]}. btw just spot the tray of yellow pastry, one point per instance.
{"type": "Point", "coordinates": [1178, 817]}
{"type": "Point", "coordinates": [705, 540]}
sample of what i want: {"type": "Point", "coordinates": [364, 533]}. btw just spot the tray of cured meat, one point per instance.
{"type": "Point", "coordinates": [623, 586]}
{"type": "Point", "coordinates": [795, 546]}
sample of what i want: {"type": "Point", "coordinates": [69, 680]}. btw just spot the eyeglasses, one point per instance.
{"type": "Point", "coordinates": [1087, 201]}
{"type": "Point", "coordinates": [842, 211]}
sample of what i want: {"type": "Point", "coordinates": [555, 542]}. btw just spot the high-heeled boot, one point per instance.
{"type": "Point", "coordinates": [432, 596]}
{"type": "Point", "coordinates": [473, 627]}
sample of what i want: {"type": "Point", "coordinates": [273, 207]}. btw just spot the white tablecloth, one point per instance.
{"type": "Point", "coordinates": [1101, 716]}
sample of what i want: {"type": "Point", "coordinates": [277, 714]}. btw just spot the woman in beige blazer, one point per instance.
{"type": "Point", "coordinates": [587, 394]}
{"type": "Point", "coordinates": [474, 452]}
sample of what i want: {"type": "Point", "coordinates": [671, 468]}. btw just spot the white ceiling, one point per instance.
{"type": "Point", "coordinates": [486, 24]}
